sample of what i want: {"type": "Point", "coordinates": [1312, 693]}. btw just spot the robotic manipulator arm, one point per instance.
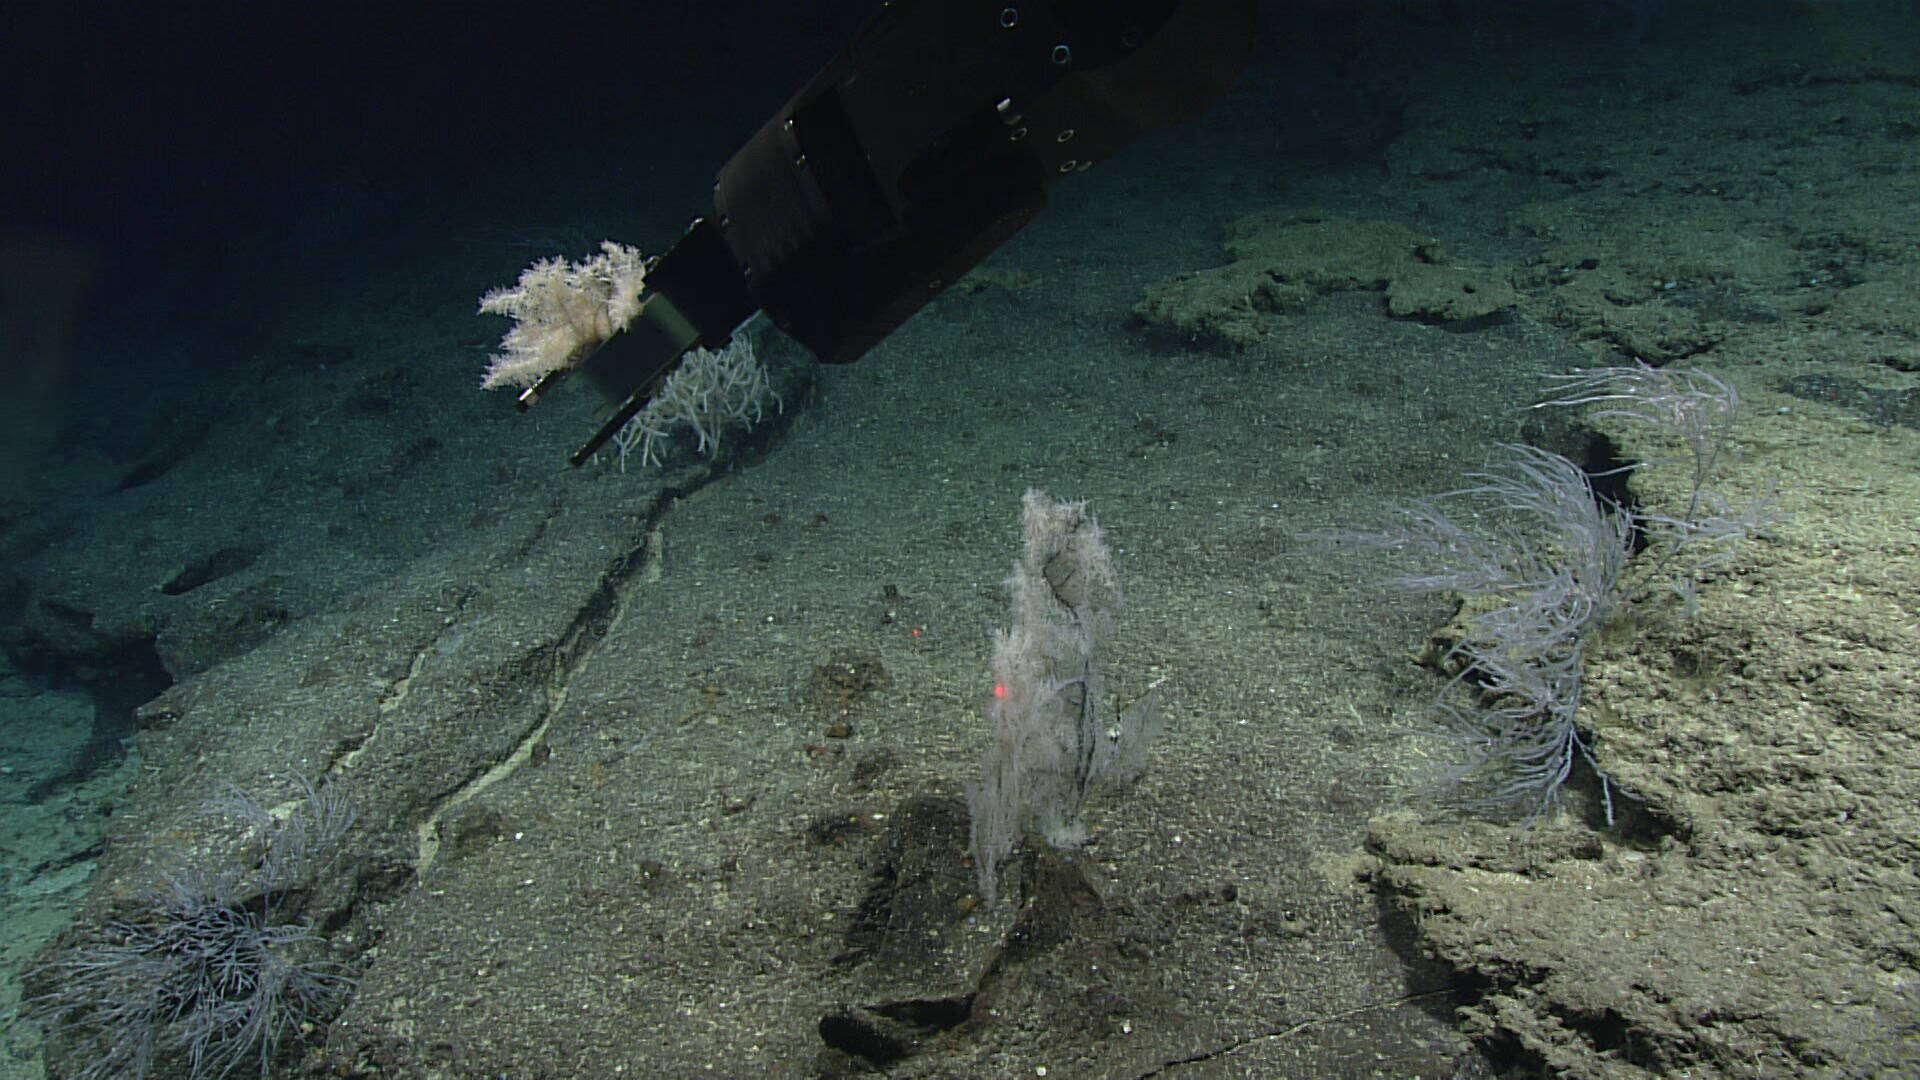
{"type": "Point", "coordinates": [923, 146]}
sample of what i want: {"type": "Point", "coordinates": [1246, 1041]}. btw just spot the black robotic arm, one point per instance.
{"type": "Point", "coordinates": [919, 149]}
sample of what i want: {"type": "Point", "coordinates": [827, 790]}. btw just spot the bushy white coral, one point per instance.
{"type": "Point", "coordinates": [709, 392]}
{"type": "Point", "coordinates": [562, 312]}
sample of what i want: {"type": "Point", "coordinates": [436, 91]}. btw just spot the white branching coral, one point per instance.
{"type": "Point", "coordinates": [709, 392]}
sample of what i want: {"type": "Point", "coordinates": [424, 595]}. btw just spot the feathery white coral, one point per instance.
{"type": "Point", "coordinates": [562, 312]}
